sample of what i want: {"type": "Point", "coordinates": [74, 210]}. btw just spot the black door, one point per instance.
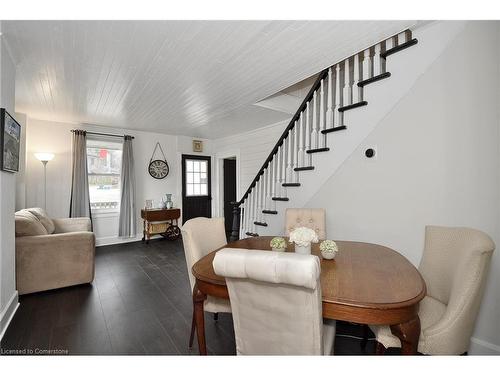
{"type": "Point", "coordinates": [196, 187]}
{"type": "Point", "coordinates": [229, 192]}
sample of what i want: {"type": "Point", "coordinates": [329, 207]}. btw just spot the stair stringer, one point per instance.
{"type": "Point", "coordinates": [382, 96]}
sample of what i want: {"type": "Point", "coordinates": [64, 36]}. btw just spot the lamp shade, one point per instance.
{"type": "Point", "coordinates": [44, 156]}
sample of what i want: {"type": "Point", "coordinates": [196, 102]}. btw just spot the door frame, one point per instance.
{"type": "Point", "coordinates": [219, 179]}
{"type": "Point", "coordinates": [183, 181]}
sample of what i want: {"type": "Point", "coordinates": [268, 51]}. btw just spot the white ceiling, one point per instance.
{"type": "Point", "coordinates": [198, 78]}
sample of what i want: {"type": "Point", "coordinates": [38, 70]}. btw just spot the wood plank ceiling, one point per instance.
{"type": "Point", "coordinates": [197, 78]}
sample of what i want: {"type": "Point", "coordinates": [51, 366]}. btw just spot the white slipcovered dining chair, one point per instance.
{"type": "Point", "coordinates": [201, 236]}
{"type": "Point", "coordinates": [313, 218]}
{"type": "Point", "coordinates": [276, 302]}
{"type": "Point", "coordinates": [454, 266]}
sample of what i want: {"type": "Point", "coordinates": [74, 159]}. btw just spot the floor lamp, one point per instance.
{"type": "Point", "coordinates": [44, 157]}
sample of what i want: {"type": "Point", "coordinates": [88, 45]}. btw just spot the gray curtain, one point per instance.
{"type": "Point", "coordinates": [80, 201]}
{"type": "Point", "coordinates": [128, 219]}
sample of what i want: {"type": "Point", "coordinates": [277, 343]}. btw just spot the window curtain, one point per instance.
{"type": "Point", "coordinates": [80, 200]}
{"type": "Point", "coordinates": [128, 219]}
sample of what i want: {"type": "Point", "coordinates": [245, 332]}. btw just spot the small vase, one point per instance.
{"type": "Point", "coordinates": [303, 249]}
{"type": "Point", "coordinates": [280, 249]}
{"type": "Point", "coordinates": [328, 254]}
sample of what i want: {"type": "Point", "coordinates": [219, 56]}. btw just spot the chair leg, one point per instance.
{"type": "Point", "coordinates": [380, 349]}
{"type": "Point", "coordinates": [216, 316]}
{"type": "Point", "coordinates": [191, 338]}
{"type": "Point", "coordinates": [366, 333]}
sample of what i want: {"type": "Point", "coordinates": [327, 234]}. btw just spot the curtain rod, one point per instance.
{"type": "Point", "coordinates": [105, 134]}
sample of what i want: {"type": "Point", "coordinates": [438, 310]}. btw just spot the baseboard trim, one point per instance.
{"type": "Point", "coordinates": [8, 313]}
{"type": "Point", "coordinates": [481, 347]}
{"type": "Point", "coordinates": [103, 241]}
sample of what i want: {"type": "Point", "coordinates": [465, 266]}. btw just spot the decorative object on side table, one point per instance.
{"type": "Point", "coordinates": [168, 203]}
{"type": "Point", "coordinates": [328, 249]}
{"type": "Point", "coordinates": [278, 244]}
{"type": "Point", "coordinates": [302, 238]}
{"type": "Point", "coordinates": [10, 138]}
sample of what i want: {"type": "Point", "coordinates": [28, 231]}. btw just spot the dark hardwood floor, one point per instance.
{"type": "Point", "coordinates": [139, 303]}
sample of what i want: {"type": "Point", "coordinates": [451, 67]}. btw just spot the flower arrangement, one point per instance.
{"type": "Point", "coordinates": [278, 243]}
{"type": "Point", "coordinates": [328, 249]}
{"type": "Point", "coordinates": [303, 236]}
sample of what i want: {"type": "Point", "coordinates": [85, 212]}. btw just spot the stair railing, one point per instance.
{"type": "Point", "coordinates": [336, 90]}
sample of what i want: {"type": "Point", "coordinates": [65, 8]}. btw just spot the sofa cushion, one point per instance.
{"type": "Point", "coordinates": [42, 216]}
{"type": "Point", "coordinates": [27, 224]}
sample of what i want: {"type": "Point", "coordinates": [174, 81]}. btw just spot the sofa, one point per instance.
{"type": "Point", "coordinates": [52, 253]}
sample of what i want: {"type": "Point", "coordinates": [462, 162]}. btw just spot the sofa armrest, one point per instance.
{"type": "Point", "coordinates": [54, 261]}
{"type": "Point", "coordinates": [72, 224]}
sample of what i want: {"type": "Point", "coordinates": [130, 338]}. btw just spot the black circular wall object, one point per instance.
{"type": "Point", "coordinates": [370, 153]}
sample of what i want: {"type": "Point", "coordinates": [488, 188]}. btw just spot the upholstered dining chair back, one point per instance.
{"type": "Point", "coordinates": [275, 299]}
{"type": "Point", "coordinates": [314, 218]}
{"type": "Point", "coordinates": [454, 266]}
{"type": "Point", "coordinates": [200, 236]}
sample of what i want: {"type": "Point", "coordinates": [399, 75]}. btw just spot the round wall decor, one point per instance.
{"type": "Point", "coordinates": [158, 168]}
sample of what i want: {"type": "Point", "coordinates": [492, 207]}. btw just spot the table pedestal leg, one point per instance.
{"type": "Point", "coordinates": [409, 333]}
{"type": "Point", "coordinates": [199, 318]}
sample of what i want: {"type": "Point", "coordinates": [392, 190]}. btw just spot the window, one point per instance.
{"type": "Point", "coordinates": [104, 163]}
{"type": "Point", "coordinates": [196, 177]}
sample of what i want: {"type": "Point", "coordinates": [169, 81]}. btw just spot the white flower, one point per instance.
{"type": "Point", "coordinates": [303, 236]}
{"type": "Point", "coordinates": [328, 246]}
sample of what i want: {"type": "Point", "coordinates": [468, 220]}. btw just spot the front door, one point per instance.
{"type": "Point", "coordinates": [196, 187]}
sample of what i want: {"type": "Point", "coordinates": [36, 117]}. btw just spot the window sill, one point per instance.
{"type": "Point", "coordinates": [105, 213]}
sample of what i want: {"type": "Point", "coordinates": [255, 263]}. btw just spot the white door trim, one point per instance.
{"type": "Point", "coordinates": [219, 175]}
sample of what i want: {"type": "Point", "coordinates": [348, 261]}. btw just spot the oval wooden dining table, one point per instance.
{"type": "Point", "coordinates": [365, 283]}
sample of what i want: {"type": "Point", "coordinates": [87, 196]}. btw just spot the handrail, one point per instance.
{"type": "Point", "coordinates": [295, 117]}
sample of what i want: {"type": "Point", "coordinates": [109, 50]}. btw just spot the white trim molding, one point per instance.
{"type": "Point", "coordinates": [8, 312]}
{"type": "Point", "coordinates": [481, 347]}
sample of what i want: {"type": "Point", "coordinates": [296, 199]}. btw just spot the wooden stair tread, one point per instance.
{"type": "Point", "coordinates": [334, 129]}
{"type": "Point", "coordinates": [315, 150]}
{"type": "Point", "coordinates": [281, 199]}
{"type": "Point", "coordinates": [290, 184]}
{"type": "Point", "coordinates": [352, 106]}
{"type": "Point", "coordinates": [298, 169]}
{"type": "Point", "coordinates": [399, 48]}
{"type": "Point", "coordinates": [260, 223]}
{"type": "Point", "coordinates": [374, 79]}
{"type": "Point", "coordinates": [270, 212]}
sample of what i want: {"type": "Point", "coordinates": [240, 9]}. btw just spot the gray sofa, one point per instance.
{"type": "Point", "coordinates": [52, 253]}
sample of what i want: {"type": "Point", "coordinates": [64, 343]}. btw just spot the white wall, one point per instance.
{"type": "Point", "coordinates": [437, 163]}
{"type": "Point", "coordinates": [8, 293]}
{"type": "Point", "coordinates": [56, 137]}
{"type": "Point", "coordinates": [253, 148]}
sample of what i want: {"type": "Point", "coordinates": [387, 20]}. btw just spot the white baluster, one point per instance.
{"type": "Point", "coordinates": [377, 66]}
{"type": "Point", "coordinates": [282, 169]}
{"type": "Point", "coordinates": [314, 132]}
{"type": "Point", "coordinates": [308, 135]}
{"type": "Point", "coordinates": [295, 151]}
{"type": "Point", "coordinates": [285, 160]}
{"type": "Point", "coordinates": [277, 187]}
{"type": "Point", "coordinates": [275, 179]}
{"type": "Point", "coordinates": [301, 141]}
{"type": "Point", "coordinates": [251, 212]}
{"type": "Point", "coordinates": [346, 97]}
{"type": "Point", "coordinates": [389, 43]}
{"type": "Point", "coordinates": [336, 112]}
{"type": "Point", "coordinates": [269, 185]}
{"type": "Point", "coordinates": [329, 105]}
{"type": "Point", "coordinates": [401, 38]}
{"type": "Point", "coordinates": [356, 91]}
{"type": "Point", "coordinates": [322, 124]}
{"type": "Point", "coordinates": [260, 206]}
{"type": "Point", "coordinates": [289, 174]}
{"type": "Point", "coordinates": [242, 220]}
{"type": "Point", "coordinates": [367, 65]}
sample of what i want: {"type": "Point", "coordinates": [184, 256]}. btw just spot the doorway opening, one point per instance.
{"type": "Point", "coordinates": [228, 191]}
{"type": "Point", "coordinates": [196, 187]}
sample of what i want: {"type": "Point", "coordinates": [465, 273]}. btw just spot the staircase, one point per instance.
{"type": "Point", "coordinates": [288, 175]}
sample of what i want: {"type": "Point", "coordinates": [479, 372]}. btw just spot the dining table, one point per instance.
{"type": "Point", "coordinates": [365, 283]}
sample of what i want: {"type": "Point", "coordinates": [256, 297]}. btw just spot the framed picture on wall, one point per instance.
{"type": "Point", "coordinates": [197, 146]}
{"type": "Point", "coordinates": [10, 142]}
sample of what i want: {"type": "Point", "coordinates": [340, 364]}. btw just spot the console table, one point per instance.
{"type": "Point", "coordinates": [161, 221]}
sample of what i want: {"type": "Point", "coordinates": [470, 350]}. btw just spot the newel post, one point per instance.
{"type": "Point", "coordinates": [235, 231]}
